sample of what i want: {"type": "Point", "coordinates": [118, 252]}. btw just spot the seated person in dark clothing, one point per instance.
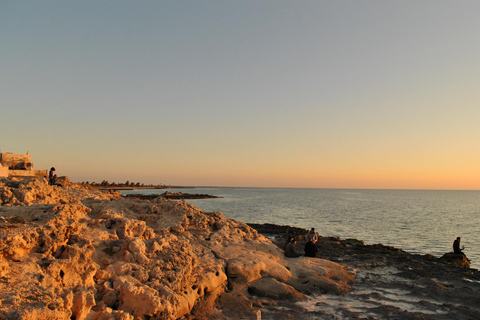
{"type": "Point", "coordinates": [311, 249]}
{"type": "Point", "coordinates": [289, 239]}
{"type": "Point", "coordinates": [55, 183]}
{"type": "Point", "coordinates": [290, 249]}
{"type": "Point", "coordinates": [50, 176]}
{"type": "Point", "coordinates": [456, 246]}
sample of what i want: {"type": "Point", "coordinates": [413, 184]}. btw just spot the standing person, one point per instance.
{"type": "Point", "coordinates": [50, 176]}
{"type": "Point", "coordinates": [456, 246]}
{"type": "Point", "coordinates": [312, 235]}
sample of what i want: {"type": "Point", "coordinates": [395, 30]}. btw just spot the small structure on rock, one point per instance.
{"type": "Point", "coordinates": [18, 165]}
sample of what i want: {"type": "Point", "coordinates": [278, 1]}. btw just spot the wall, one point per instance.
{"type": "Point", "coordinates": [3, 171]}
{"type": "Point", "coordinates": [11, 159]}
{"type": "Point", "coordinates": [27, 173]}
{"type": "Point", "coordinates": [20, 161]}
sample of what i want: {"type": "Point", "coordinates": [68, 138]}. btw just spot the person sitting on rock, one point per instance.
{"type": "Point", "coordinates": [289, 239]}
{"type": "Point", "coordinates": [456, 246]}
{"type": "Point", "coordinates": [290, 249]}
{"type": "Point", "coordinates": [312, 236]}
{"type": "Point", "coordinates": [311, 249]}
{"type": "Point", "coordinates": [55, 181]}
{"type": "Point", "coordinates": [50, 176]}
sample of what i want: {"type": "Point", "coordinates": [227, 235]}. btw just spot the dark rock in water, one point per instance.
{"type": "Point", "coordinates": [169, 195]}
{"type": "Point", "coordinates": [274, 229]}
{"type": "Point", "coordinates": [457, 259]}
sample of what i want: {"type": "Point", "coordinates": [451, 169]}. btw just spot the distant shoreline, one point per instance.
{"type": "Point", "coordinates": [102, 188]}
{"type": "Point", "coordinates": [285, 188]}
{"type": "Point", "coordinates": [168, 195]}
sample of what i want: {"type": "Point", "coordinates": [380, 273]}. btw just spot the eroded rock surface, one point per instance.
{"type": "Point", "coordinates": [75, 253]}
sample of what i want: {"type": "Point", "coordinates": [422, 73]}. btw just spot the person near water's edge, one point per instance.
{"type": "Point", "coordinates": [290, 249]}
{"type": "Point", "coordinates": [310, 246]}
{"type": "Point", "coordinates": [287, 242]}
{"type": "Point", "coordinates": [312, 235]}
{"type": "Point", "coordinates": [456, 247]}
{"type": "Point", "coordinates": [311, 249]}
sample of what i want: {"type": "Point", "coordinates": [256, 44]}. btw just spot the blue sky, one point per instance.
{"type": "Point", "coordinates": [345, 94]}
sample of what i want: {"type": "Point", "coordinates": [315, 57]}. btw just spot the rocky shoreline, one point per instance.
{"type": "Point", "coordinates": [390, 283]}
{"type": "Point", "coordinates": [70, 252]}
{"type": "Point", "coordinates": [73, 252]}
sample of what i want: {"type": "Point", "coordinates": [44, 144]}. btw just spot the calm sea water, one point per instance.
{"type": "Point", "coordinates": [417, 221]}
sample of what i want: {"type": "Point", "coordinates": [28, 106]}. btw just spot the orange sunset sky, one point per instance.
{"type": "Point", "coordinates": [322, 94]}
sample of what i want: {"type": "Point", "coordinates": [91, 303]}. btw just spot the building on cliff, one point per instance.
{"type": "Point", "coordinates": [18, 165]}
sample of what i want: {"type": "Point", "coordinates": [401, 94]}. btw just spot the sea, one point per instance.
{"type": "Point", "coordinates": [417, 221]}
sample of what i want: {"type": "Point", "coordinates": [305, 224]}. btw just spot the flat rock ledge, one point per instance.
{"type": "Point", "coordinates": [75, 253]}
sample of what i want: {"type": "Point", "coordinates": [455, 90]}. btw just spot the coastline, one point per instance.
{"type": "Point", "coordinates": [96, 255]}
{"type": "Point", "coordinates": [391, 283]}
{"type": "Point", "coordinates": [416, 221]}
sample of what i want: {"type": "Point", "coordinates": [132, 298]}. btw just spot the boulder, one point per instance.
{"type": "Point", "coordinates": [457, 259]}
{"type": "Point", "coordinates": [274, 289]}
{"type": "Point", "coordinates": [318, 276]}
{"type": "Point", "coordinates": [246, 264]}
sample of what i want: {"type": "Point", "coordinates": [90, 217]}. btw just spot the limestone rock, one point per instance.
{"type": "Point", "coordinates": [75, 253]}
{"type": "Point", "coordinates": [274, 289]}
{"type": "Point", "coordinates": [246, 264]}
{"type": "Point", "coordinates": [317, 276]}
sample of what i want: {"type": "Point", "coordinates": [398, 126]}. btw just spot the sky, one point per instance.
{"type": "Point", "coordinates": [302, 94]}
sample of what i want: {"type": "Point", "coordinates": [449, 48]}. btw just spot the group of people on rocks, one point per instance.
{"type": "Point", "coordinates": [52, 177]}
{"type": "Point", "coordinates": [310, 246]}
{"type": "Point", "coordinates": [311, 249]}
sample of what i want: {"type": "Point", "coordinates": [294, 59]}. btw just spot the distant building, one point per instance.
{"type": "Point", "coordinates": [18, 165]}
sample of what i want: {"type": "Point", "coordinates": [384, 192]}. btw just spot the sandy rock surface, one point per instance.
{"type": "Point", "coordinates": [75, 253]}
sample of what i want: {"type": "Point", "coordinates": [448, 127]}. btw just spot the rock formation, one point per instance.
{"type": "Point", "coordinates": [389, 282]}
{"type": "Point", "coordinates": [75, 253]}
